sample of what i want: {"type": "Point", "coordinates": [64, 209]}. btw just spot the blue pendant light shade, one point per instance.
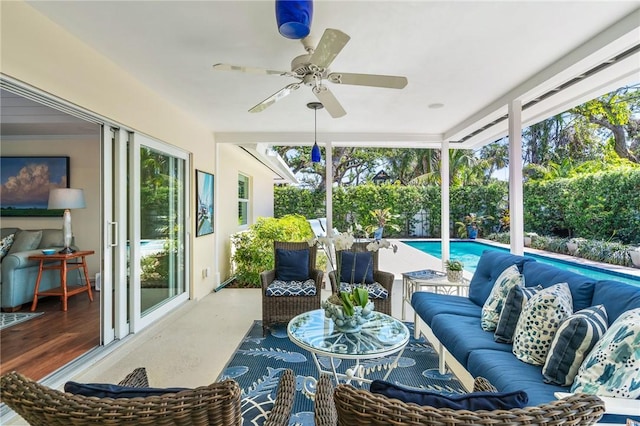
{"type": "Point", "coordinates": [315, 153]}
{"type": "Point", "coordinates": [294, 17]}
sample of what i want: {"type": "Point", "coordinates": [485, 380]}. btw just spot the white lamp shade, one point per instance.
{"type": "Point", "coordinates": [66, 198]}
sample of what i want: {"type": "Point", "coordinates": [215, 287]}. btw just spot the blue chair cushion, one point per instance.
{"type": "Point", "coordinates": [490, 266]}
{"type": "Point", "coordinates": [292, 265]}
{"type": "Point", "coordinates": [375, 290]}
{"type": "Point", "coordinates": [428, 305]}
{"type": "Point", "coordinates": [291, 288]}
{"type": "Point", "coordinates": [356, 267]}
{"type": "Point", "coordinates": [105, 390]}
{"type": "Point", "coordinates": [468, 401]}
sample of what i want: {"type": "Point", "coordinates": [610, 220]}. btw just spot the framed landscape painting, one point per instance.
{"type": "Point", "coordinates": [204, 203]}
{"type": "Point", "coordinates": [26, 182]}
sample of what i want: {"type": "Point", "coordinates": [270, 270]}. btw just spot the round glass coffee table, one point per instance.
{"type": "Point", "coordinates": [380, 337]}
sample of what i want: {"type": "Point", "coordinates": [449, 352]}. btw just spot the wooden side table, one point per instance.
{"type": "Point", "coordinates": [63, 291]}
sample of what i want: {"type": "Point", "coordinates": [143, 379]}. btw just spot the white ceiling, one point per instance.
{"type": "Point", "coordinates": [465, 55]}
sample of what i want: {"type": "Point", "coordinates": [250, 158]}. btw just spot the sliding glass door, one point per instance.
{"type": "Point", "coordinates": [147, 229]}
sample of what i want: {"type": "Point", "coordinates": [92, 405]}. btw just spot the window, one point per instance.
{"type": "Point", "coordinates": [243, 200]}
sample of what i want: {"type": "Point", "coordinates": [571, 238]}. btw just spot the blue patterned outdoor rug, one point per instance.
{"type": "Point", "coordinates": [259, 362]}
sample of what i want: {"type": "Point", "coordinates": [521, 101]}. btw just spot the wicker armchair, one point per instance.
{"type": "Point", "coordinates": [348, 406]}
{"type": "Point", "coordinates": [216, 404]}
{"type": "Point", "coordinates": [385, 279]}
{"type": "Point", "coordinates": [281, 309]}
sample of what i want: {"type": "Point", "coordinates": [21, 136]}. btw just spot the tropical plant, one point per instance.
{"type": "Point", "coordinates": [383, 218]}
{"type": "Point", "coordinates": [253, 248]}
{"type": "Point", "coordinates": [359, 296]}
{"type": "Point", "coordinates": [454, 265]}
{"type": "Point", "coordinates": [470, 221]}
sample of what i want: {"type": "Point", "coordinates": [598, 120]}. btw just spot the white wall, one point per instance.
{"type": "Point", "coordinates": [45, 56]}
{"type": "Point", "coordinates": [84, 162]}
{"type": "Point", "coordinates": [234, 160]}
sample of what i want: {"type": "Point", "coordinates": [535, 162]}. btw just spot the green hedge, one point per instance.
{"type": "Point", "coordinates": [353, 203]}
{"type": "Point", "coordinates": [600, 206]}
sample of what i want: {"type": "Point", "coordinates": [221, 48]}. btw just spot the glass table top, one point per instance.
{"type": "Point", "coordinates": [380, 336]}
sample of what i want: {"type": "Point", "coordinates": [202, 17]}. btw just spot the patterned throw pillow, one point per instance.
{"type": "Point", "coordinates": [612, 368]}
{"type": "Point", "coordinates": [492, 308]}
{"type": "Point", "coordinates": [575, 338]}
{"type": "Point", "coordinates": [5, 245]}
{"type": "Point", "coordinates": [539, 322]}
{"type": "Point", "coordinates": [516, 299]}
{"type": "Point", "coordinates": [376, 291]}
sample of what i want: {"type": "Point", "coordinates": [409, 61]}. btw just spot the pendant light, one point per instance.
{"type": "Point", "coordinates": [315, 151]}
{"type": "Point", "coordinates": [294, 18]}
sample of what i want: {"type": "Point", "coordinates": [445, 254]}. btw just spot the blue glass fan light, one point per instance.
{"type": "Point", "coordinates": [315, 153]}
{"type": "Point", "coordinates": [294, 18]}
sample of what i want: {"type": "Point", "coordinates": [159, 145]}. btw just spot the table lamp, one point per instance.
{"type": "Point", "coordinates": [66, 198]}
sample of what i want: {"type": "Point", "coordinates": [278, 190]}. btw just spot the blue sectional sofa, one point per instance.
{"type": "Point", "coordinates": [455, 322]}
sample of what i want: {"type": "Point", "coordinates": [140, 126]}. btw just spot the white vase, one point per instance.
{"type": "Point", "coordinates": [635, 258]}
{"type": "Point", "coordinates": [572, 247]}
{"type": "Point", "coordinates": [527, 241]}
{"type": "Point", "coordinates": [344, 323]}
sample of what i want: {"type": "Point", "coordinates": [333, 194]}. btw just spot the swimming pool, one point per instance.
{"type": "Point", "coordinates": [469, 253]}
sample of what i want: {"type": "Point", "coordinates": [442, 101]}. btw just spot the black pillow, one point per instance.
{"type": "Point", "coordinates": [356, 268]}
{"type": "Point", "coordinates": [106, 390]}
{"type": "Point", "coordinates": [292, 265]}
{"type": "Point", "coordinates": [469, 401]}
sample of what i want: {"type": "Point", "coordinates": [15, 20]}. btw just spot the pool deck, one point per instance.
{"type": "Point", "coordinates": [435, 263]}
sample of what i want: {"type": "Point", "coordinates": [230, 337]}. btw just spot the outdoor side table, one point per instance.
{"type": "Point", "coordinates": [63, 266]}
{"type": "Point", "coordinates": [380, 337]}
{"type": "Point", "coordinates": [432, 280]}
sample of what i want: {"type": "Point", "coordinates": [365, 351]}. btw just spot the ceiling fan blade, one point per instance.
{"type": "Point", "coordinates": [330, 45]}
{"type": "Point", "coordinates": [250, 70]}
{"type": "Point", "coordinates": [275, 97]}
{"type": "Point", "coordinates": [329, 101]}
{"type": "Point", "coordinates": [375, 80]}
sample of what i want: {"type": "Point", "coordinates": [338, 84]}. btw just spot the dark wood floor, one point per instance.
{"type": "Point", "coordinates": [38, 347]}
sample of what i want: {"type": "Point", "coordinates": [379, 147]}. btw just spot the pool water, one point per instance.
{"type": "Point", "coordinates": [469, 253]}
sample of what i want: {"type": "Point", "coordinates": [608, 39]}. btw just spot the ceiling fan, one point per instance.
{"type": "Point", "coordinates": [312, 69]}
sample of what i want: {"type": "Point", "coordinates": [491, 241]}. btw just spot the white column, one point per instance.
{"type": "Point", "coordinates": [444, 204]}
{"type": "Point", "coordinates": [516, 199]}
{"type": "Point", "coordinates": [329, 186]}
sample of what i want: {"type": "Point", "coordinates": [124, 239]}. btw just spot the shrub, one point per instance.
{"type": "Point", "coordinates": [253, 248]}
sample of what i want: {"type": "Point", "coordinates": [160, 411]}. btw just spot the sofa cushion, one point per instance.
{"type": "Point", "coordinates": [26, 240]}
{"type": "Point", "coordinates": [292, 265]}
{"type": "Point", "coordinates": [490, 266]}
{"type": "Point", "coordinates": [617, 297]}
{"type": "Point", "coordinates": [539, 322]}
{"type": "Point", "coordinates": [356, 267]}
{"type": "Point", "coordinates": [105, 390]}
{"type": "Point", "coordinates": [5, 245]}
{"type": "Point", "coordinates": [460, 335]}
{"type": "Point", "coordinates": [575, 338]}
{"type": "Point", "coordinates": [516, 299]}
{"type": "Point", "coordinates": [428, 305]}
{"type": "Point", "coordinates": [507, 374]}
{"type": "Point", "coordinates": [466, 401]}
{"type": "Point", "coordinates": [612, 368]}
{"type": "Point", "coordinates": [51, 238]}
{"type": "Point", "coordinates": [492, 308]}
{"type": "Point", "coordinates": [537, 273]}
